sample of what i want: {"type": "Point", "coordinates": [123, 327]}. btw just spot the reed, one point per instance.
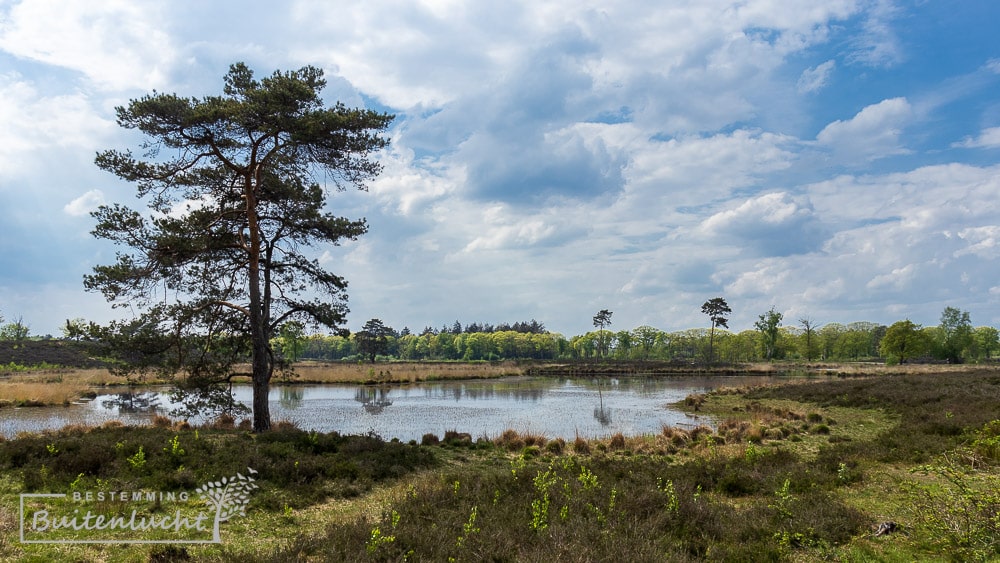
{"type": "Point", "coordinates": [36, 394]}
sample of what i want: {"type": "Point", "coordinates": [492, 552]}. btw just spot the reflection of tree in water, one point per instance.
{"type": "Point", "coordinates": [483, 393]}
{"type": "Point", "coordinates": [130, 402]}
{"type": "Point", "coordinates": [373, 399]}
{"type": "Point", "coordinates": [291, 397]}
{"type": "Point", "coordinates": [602, 413]}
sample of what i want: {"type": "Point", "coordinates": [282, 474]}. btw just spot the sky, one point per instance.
{"type": "Point", "coordinates": [837, 160]}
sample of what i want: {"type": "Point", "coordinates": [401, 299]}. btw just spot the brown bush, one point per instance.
{"type": "Point", "coordinates": [617, 442]}
{"type": "Point", "coordinates": [160, 421]}
{"type": "Point", "coordinates": [511, 440]}
{"type": "Point", "coordinates": [227, 422]}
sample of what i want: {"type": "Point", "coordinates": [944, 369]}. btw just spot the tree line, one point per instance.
{"type": "Point", "coordinates": [955, 340]}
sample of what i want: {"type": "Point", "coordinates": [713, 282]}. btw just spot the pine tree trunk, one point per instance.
{"type": "Point", "coordinates": [258, 323]}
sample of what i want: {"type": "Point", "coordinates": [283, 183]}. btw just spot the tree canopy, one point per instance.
{"type": "Point", "coordinates": [232, 185]}
{"type": "Point", "coordinates": [373, 339]}
{"type": "Point", "coordinates": [602, 320]}
{"type": "Point", "coordinates": [768, 323]}
{"type": "Point", "coordinates": [717, 310]}
{"type": "Point", "coordinates": [903, 340]}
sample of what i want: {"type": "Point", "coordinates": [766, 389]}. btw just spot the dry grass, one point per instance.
{"type": "Point", "coordinates": [43, 388]}
{"type": "Point", "coordinates": [61, 387]}
{"type": "Point", "coordinates": [400, 372]}
{"type": "Point", "coordinates": [39, 394]}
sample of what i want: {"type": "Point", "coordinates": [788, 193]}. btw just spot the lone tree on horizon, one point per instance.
{"type": "Point", "coordinates": [601, 320]}
{"type": "Point", "coordinates": [716, 309]}
{"type": "Point", "coordinates": [373, 338]}
{"type": "Point", "coordinates": [232, 184]}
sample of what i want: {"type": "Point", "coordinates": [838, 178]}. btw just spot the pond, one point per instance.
{"type": "Point", "coordinates": [565, 408]}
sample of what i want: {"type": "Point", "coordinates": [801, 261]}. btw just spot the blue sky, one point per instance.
{"type": "Point", "coordinates": [838, 160]}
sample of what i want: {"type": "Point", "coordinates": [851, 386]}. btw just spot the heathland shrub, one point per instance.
{"type": "Point", "coordinates": [960, 516]}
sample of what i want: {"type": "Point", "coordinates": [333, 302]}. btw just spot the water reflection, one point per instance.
{"type": "Point", "coordinates": [291, 397]}
{"type": "Point", "coordinates": [602, 413]}
{"type": "Point", "coordinates": [373, 399]}
{"type": "Point", "coordinates": [519, 390]}
{"type": "Point", "coordinates": [130, 402]}
{"type": "Point", "coordinates": [566, 408]}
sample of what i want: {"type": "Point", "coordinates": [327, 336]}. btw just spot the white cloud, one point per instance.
{"type": "Point", "coordinates": [84, 204]}
{"type": "Point", "coordinates": [815, 78]}
{"type": "Point", "coordinates": [117, 44]}
{"type": "Point", "coordinates": [763, 280]}
{"type": "Point", "coordinates": [773, 224]}
{"type": "Point", "coordinates": [553, 159]}
{"type": "Point", "coordinates": [984, 242]}
{"type": "Point", "coordinates": [871, 134]}
{"type": "Point", "coordinates": [877, 44]}
{"type": "Point", "coordinates": [772, 209]}
{"type": "Point", "coordinates": [898, 278]}
{"type": "Point", "coordinates": [34, 122]}
{"type": "Point", "coordinates": [988, 138]}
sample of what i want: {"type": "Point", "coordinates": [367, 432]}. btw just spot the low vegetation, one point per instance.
{"type": "Point", "coordinates": [51, 387]}
{"type": "Point", "coordinates": [399, 372]}
{"type": "Point", "coordinates": [892, 467]}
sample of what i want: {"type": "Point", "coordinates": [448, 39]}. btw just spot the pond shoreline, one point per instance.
{"type": "Point", "coordinates": [62, 387]}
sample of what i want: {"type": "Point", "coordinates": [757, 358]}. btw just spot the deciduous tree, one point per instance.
{"type": "Point", "coordinates": [957, 331]}
{"type": "Point", "coordinates": [809, 344]}
{"type": "Point", "coordinates": [903, 340]}
{"type": "Point", "coordinates": [987, 339]}
{"type": "Point", "coordinates": [768, 324]}
{"type": "Point", "coordinates": [15, 330]}
{"type": "Point", "coordinates": [232, 182]}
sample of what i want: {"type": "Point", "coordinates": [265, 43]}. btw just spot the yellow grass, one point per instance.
{"type": "Point", "coordinates": [398, 372]}
{"type": "Point", "coordinates": [59, 387]}
{"type": "Point", "coordinates": [40, 388]}
{"type": "Point", "coordinates": [39, 394]}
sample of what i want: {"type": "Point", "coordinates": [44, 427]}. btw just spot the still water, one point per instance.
{"type": "Point", "coordinates": [566, 408]}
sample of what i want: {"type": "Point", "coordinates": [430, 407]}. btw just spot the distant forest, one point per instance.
{"type": "Point", "coordinates": [955, 340]}
{"type": "Point", "coordinates": [530, 340]}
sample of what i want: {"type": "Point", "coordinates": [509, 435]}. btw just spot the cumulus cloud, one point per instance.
{"type": "Point", "coordinates": [774, 224]}
{"type": "Point", "coordinates": [762, 280]}
{"type": "Point", "coordinates": [984, 242]}
{"type": "Point", "coordinates": [33, 121]}
{"type": "Point", "coordinates": [872, 134]}
{"type": "Point", "coordinates": [553, 159]}
{"type": "Point", "coordinates": [988, 138]}
{"type": "Point", "coordinates": [898, 278]}
{"type": "Point", "coordinates": [84, 204]}
{"type": "Point", "coordinates": [116, 44]}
